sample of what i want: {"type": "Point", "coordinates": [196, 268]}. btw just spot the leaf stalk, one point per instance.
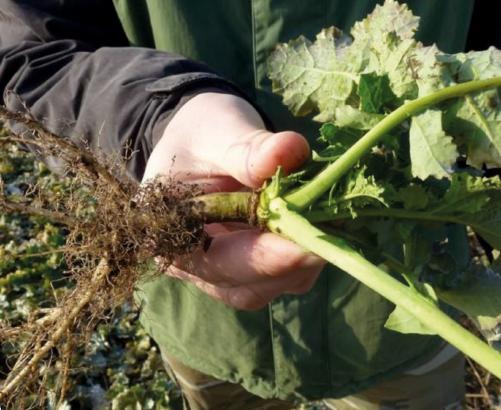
{"type": "Point", "coordinates": [336, 251]}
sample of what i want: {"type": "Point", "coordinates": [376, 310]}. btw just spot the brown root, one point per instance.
{"type": "Point", "coordinates": [28, 362]}
{"type": "Point", "coordinates": [116, 227]}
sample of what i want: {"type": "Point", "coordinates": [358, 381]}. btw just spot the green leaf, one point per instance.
{"type": "Point", "coordinates": [404, 322]}
{"type": "Point", "coordinates": [387, 36]}
{"type": "Point", "coordinates": [350, 80]}
{"type": "Point", "coordinates": [433, 153]}
{"type": "Point", "coordinates": [413, 197]}
{"type": "Point", "coordinates": [332, 134]}
{"type": "Point", "coordinates": [476, 119]}
{"type": "Point", "coordinates": [479, 65]}
{"type": "Point", "coordinates": [476, 122]}
{"type": "Point", "coordinates": [389, 17]}
{"type": "Point", "coordinates": [349, 117]}
{"type": "Point", "coordinates": [467, 194]}
{"type": "Point", "coordinates": [396, 58]}
{"type": "Point", "coordinates": [375, 93]}
{"type": "Point", "coordinates": [324, 75]}
{"type": "Point", "coordinates": [433, 69]}
{"type": "Point", "coordinates": [311, 76]}
{"type": "Point", "coordinates": [476, 202]}
{"type": "Point", "coordinates": [329, 133]}
{"type": "Point", "coordinates": [338, 140]}
{"type": "Point", "coordinates": [360, 190]}
{"type": "Point", "coordinates": [487, 223]}
{"type": "Point", "coordinates": [480, 299]}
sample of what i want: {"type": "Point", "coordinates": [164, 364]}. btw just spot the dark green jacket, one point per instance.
{"type": "Point", "coordinates": [70, 63]}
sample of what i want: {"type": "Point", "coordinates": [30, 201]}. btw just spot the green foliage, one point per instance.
{"type": "Point", "coordinates": [357, 191]}
{"type": "Point", "coordinates": [352, 80]}
{"type": "Point", "coordinates": [375, 93]}
{"type": "Point", "coordinates": [401, 321]}
{"type": "Point", "coordinates": [433, 153]}
{"type": "Point", "coordinates": [406, 200]}
{"type": "Point", "coordinates": [479, 297]}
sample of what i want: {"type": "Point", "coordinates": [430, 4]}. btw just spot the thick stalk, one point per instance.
{"type": "Point", "coordinates": [229, 206]}
{"type": "Point", "coordinates": [310, 192]}
{"type": "Point", "coordinates": [340, 254]}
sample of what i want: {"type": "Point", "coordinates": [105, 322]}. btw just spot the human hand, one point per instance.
{"type": "Point", "coordinates": [219, 141]}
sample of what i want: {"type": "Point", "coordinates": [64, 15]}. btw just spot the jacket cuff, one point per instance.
{"type": "Point", "coordinates": [191, 88]}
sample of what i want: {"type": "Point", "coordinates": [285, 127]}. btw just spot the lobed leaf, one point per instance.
{"type": "Point", "coordinates": [351, 81]}
{"type": "Point", "coordinates": [314, 76]}
{"type": "Point", "coordinates": [389, 17]}
{"type": "Point", "coordinates": [411, 197]}
{"type": "Point", "coordinates": [476, 202]}
{"type": "Point", "coordinates": [433, 153]}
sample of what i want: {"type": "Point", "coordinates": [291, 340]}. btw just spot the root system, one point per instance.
{"type": "Point", "coordinates": [115, 227]}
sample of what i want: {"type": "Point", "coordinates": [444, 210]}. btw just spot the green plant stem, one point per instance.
{"type": "Point", "coordinates": [339, 253]}
{"type": "Point", "coordinates": [307, 194]}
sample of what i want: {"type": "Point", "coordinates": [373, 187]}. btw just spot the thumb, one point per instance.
{"type": "Point", "coordinates": [254, 157]}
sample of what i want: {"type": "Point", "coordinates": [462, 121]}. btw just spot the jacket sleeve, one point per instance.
{"type": "Point", "coordinates": [69, 64]}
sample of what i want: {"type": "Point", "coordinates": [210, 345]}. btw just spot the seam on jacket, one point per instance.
{"type": "Point", "coordinates": [166, 84]}
{"type": "Point", "coordinates": [326, 335]}
{"type": "Point", "coordinates": [254, 65]}
{"type": "Point", "coordinates": [273, 350]}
